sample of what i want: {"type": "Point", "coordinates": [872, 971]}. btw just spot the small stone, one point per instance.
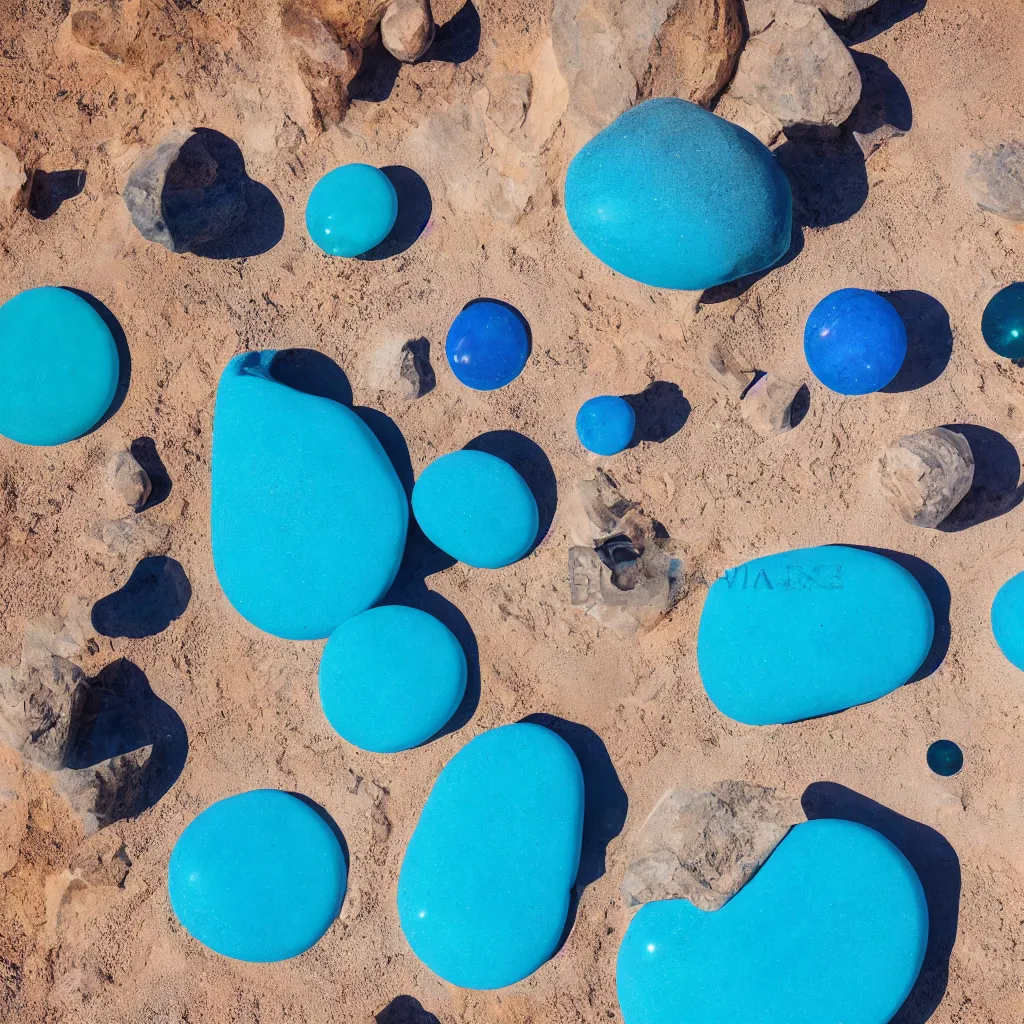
{"type": "Point", "coordinates": [508, 101]}
{"type": "Point", "coordinates": [705, 846]}
{"type": "Point", "coordinates": [995, 179]}
{"type": "Point", "coordinates": [926, 475]}
{"type": "Point", "coordinates": [729, 370]}
{"type": "Point", "coordinates": [841, 9]}
{"type": "Point", "coordinates": [883, 112]}
{"type": "Point", "coordinates": [765, 128]}
{"type": "Point", "coordinates": [12, 178]}
{"type": "Point", "coordinates": [407, 29]}
{"type": "Point", "coordinates": [106, 792]}
{"type": "Point", "coordinates": [768, 404]}
{"type": "Point", "coordinates": [96, 27]}
{"type": "Point", "coordinates": [113, 541]}
{"type": "Point", "coordinates": [415, 369]}
{"type": "Point", "coordinates": [128, 479]}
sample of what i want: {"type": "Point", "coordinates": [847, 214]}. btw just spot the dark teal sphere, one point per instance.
{"type": "Point", "coordinates": [1002, 323]}
{"type": "Point", "coordinates": [945, 757]}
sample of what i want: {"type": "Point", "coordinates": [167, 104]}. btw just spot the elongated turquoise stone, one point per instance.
{"type": "Point", "coordinates": [308, 517]}
{"type": "Point", "coordinates": [259, 876]}
{"type": "Point", "coordinates": [832, 928]}
{"type": "Point", "coordinates": [808, 632]}
{"type": "Point", "coordinates": [1008, 619]}
{"type": "Point", "coordinates": [391, 677]}
{"type": "Point", "coordinates": [58, 367]}
{"type": "Point", "coordinates": [483, 892]}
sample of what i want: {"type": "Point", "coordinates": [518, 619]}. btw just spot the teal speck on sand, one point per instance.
{"type": "Point", "coordinates": [259, 876]}
{"type": "Point", "coordinates": [483, 892]}
{"type": "Point", "coordinates": [476, 508]}
{"type": "Point", "coordinates": [832, 928]}
{"type": "Point", "coordinates": [390, 678]}
{"type": "Point", "coordinates": [1008, 619]}
{"type": "Point", "coordinates": [308, 517]}
{"type": "Point", "coordinates": [351, 209]}
{"type": "Point", "coordinates": [676, 197]}
{"type": "Point", "coordinates": [809, 632]}
{"type": "Point", "coordinates": [58, 367]}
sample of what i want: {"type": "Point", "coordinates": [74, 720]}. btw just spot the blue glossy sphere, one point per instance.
{"type": "Point", "coordinates": [605, 424]}
{"type": "Point", "coordinates": [1002, 323]}
{"type": "Point", "coordinates": [487, 345]}
{"type": "Point", "coordinates": [945, 758]}
{"type": "Point", "coordinates": [351, 209]}
{"type": "Point", "coordinates": [854, 341]}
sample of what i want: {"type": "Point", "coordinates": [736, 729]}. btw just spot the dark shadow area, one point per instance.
{"type": "Point", "coordinates": [734, 289]}
{"type": "Point", "coordinates": [876, 19]}
{"type": "Point", "coordinates": [308, 370]}
{"type": "Point", "coordinates": [328, 820]}
{"type": "Point", "coordinates": [414, 208]}
{"type": "Point", "coordinates": [48, 189]}
{"type": "Point", "coordinates": [405, 1010]}
{"type": "Point", "coordinates": [226, 217]}
{"type": "Point", "coordinates": [528, 459]}
{"type": "Point", "coordinates": [157, 593]}
{"type": "Point", "coordinates": [936, 589]}
{"type": "Point", "coordinates": [605, 803]}
{"type": "Point", "coordinates": [122, 713]}
{"type": "Point", "coordinates": [144, 452]}
{"type": "Point", "coordinates": [661, 411]}
{"type": "Point", "coordinates": [938, 868]}
{"type": "Point", "coordinates": [883, 99]}
{"type": "Point", "coordinates": [392, 440]}
{"type": "Point", "coordinates": [996, 489]}
{"type": "Point", "coordinates": [801, 406]}
{"type": "Point", "coordinates": [377, 75]}
{"type": "Point", "coordinates": [124, 355]}
{"type": "Point", "coordinates": [929, 340]}
{"type": "Point", "coordinates": [457, 39]}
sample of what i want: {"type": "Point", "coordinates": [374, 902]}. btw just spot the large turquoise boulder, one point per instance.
{"type": "Point", "coordinates": [1008, 619]}
{"type": "Point", "coordinates": [308, 517]}
{"type": "Point", "coordinates": [677, 197]}
{"type": "Point", "coordinates": [259, 876]}
{"type": "Point", "coordinates": [832, 928]}
{"type": "Point", "coordinates": [484, 889]}
{"type": "Point", "coordinates": [808, 632]}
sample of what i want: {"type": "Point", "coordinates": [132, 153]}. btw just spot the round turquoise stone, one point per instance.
{"type": "Point", "coordinates": [58, 367]}
{"type": "Point", "coordinates": [476, 508]}
{"type": "Point", "coordinates": [259, 876]}
{"type": "Point", "coordinates": [1002, 323]}
{"type": "Point", "coordinates": [391, 678]}
{"type": "Point", "coordinates": [832, 928]}
{"type": "Point", "coordinates": [1008, 619]}
{"type": "Point", "coordinates": [351, 209]}
{"type": "Point", "coordinates": [483, 892]}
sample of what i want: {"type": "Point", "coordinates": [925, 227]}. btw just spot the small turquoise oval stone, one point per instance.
{"type": "Point", "coordinates": [945, 758]}
{"type": "Point", "coordinates": [308, 517]}
{"type": "Point", "coordinates": [809, 632]}
{"type": "Point", "coordinates": [58, 367]}
{"type": "Point", "coordinates": [476, 508]}
{"type": "Point", "coordinates": [605, 424]}
{"type": "Point", "coordinates": [1002, 323]}
{"type": "Point", "coordinates": [390, 678]}
{"type": "Point", "coordinates": [1008, 619]}
{"type": "Point", "coordinates": [676, 197]}
{"type": "Point", "coordinates": [259, 876]}
{"type": "Point", "coordinates": [351, 209]}
{"type": "Point", "coordinates": [832, 928]}
{"type": "Point", "coordinates": [483, 892]}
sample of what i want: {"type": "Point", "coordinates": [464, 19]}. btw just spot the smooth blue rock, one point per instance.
{"type": "Point", "coordinates": [58, 367]}
{"type": "Point", "coordinates": [676, 197]}
{"type": "Point", "coordinates": [259, 876]}
{"type": "Point", "coordinates": [351, 209]}
{"type": "Point", "coordinates": [605, 424]}
{"type": "Point", "coordinates": [308, 517]}
{"type": "Point", "coordinates": [855, 341]}
{"type": "Point", "coordinates": [1002, 323]}
{"type": "Point", "coordinates": [945, 758]}
{"type": "Point", "coordinates": [483, 892]}
{"type": "Point", "coordinates": [477, 508]}
{"type": "Point", "coordinates": [808, 632]}
{"type": "Point", "coordinates": [390, 678]}
{"type": "Point", "coordinates": [487, 345]}
{"type": "Point", "coordinates": [832, 928]}
{"type": "Point", "coordinates": [1008, 619]}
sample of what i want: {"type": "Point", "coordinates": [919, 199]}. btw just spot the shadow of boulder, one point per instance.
{"type": "Point", "coordinates": [405, 1010]}
{"type": "Point", "coordinates": [49, 189]}
{"type": "Point", "coordinates": [929, 340]}
{"type": "Point", "coordinates": [997, 486]}
{"type": "Point", "coordinates": [661, 412]}
{"type": "Point", "coordinates": [157, 593]}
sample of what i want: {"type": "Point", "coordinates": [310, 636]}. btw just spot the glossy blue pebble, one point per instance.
{"type": "Point", "coordinates": [487, 345]}
{"type": "Point", "coordinates": [258, 877]}
{"type": "Point", "coordinates": [605, 424]}
{"type": "Point", "coordinates": [1008, 619]}
{"type": "Point", "coordinates": [308, 517]}
{"type": "Point", "coordinates": [58, 367]}
{"type": "Point", "coordinates": [351, 209]}
{"type": "Point", "coordinates": [855, 341]}
{"type": "Point", "coordinates": [483, 892]}
{"type": "Point", "coordinates": [1002, 323]}
{"type": "Point", "coordinates": [832, 928]}
{"type": "Point", "coordinates": [390, 678]}
{"type": "Point", "coordinates": [672, 195]}
{"type": "Point", "coordinates": [477, 508]}
{"type": "Point", "coordinates": [809, 632]}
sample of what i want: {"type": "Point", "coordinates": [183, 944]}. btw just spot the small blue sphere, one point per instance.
{"type": "Point", "coordinates": [351, 209]}
{"type": "Point", "coordinates": [605, 424]}
{"type": "Point", "coordinates": [487, 345]}
{"type": "Point", "coordinates": [945, 758]}
{"type": "Point", "coordinates": [854, 341]}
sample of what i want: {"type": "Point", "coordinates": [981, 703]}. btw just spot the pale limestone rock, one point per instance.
{"type": "Point", "coordinates": [768, 404]}
{"type": "Point", "coordinates": [128, 479]}
{"type": "Point", "coordinates": [995, 179]}
{"type": "Point", "coordinates": [407, 29]}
